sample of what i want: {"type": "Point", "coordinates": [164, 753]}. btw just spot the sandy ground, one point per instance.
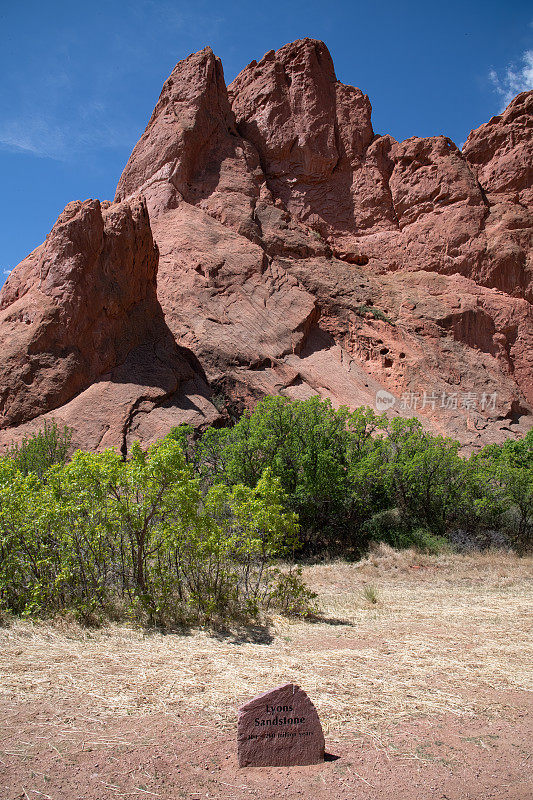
{"type": "Point", "coordinates": [424, 694]}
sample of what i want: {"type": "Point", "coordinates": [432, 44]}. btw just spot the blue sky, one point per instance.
{"type": "Point", "coordinates": [79, 80]}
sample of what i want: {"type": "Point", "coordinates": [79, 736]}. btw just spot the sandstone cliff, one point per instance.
{"type": "Point", "coordinates": [296, 252]}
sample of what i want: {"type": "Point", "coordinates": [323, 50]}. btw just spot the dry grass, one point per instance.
{"type": "Point", "coordinates": [447, 633]}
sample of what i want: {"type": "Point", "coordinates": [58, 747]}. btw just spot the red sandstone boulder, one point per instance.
{"type": "Point", "coordinates": [279, 728]}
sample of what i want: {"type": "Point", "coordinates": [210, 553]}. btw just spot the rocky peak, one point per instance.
{"type": "Point", "coordinates": [308, 128]}
{"type": "Point", "coordinates": [83, 334]}
{"type": "Point", "coordinates": [300, 118]}
{"type": "Point", "coordinates": [295, 252]}
{"type": "Point", "coordinates": [500, 151]}
{"type": "Point", "coordinates": [190, 118]}
{"type": "Point", "coordinates": [76, 306]}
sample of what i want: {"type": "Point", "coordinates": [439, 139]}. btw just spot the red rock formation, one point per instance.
{"type": "Point", "coordinates": [83, 334]}
{"type": "Point", "coordinates": [298, 253]}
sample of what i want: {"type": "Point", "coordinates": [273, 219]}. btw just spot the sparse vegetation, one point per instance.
{"type": "Point", "coordinates": [42, 450]}
{"type": "Point", "coordinates": [440, 611]}
{"type": "Point", "coordinates": [370, 594]}
{"type": "Point", "coordinates": [449, 652]}
{"type": "Point", "coordinates": [377, 313]}
{"type": "Point", "coordinates": [219, 400]}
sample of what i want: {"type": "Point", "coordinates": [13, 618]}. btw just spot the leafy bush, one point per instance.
{"type": "Point", "coordinates": [356, 476]}
{"type": "Point", "coordinates": [105, 536]}
{"type": "Point", "coordinates": [427, 542]}
{"type": "Point", "coordinates": [311, 448]}
{"type": "Point", "coordinates": [387, 526]}
{"type": "Point", "coordinates": [38, 452]}
{"type": "Point", "coordinates": [193, 529]}
{"type": "Point", "coordinates": [290, 595]}
{"type": "Point", "coordinates": [506, 475]}
{"type": "Point", "coordinates": [426, 477]}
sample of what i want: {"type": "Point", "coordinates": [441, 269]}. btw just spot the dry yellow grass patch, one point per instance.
{"type": "Point", "coordinates": [448, 634]}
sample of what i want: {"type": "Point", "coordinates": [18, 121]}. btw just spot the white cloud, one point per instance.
{"type": "Point", "coordinates": [54, 104]}
{"type": "Point", "coordinates": [56, 116]}
{"type": "Point", "coordinates": [49, 136]}
{"type": "Point", "coordinates": [33, 135]}
{"type": "Point", "coordinates": [516, 79]}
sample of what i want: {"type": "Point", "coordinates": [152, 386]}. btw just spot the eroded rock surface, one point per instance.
{"type": "Point", "coordinates": [83, 335]}
{"type": "Point", "coordinates": [297, 252]}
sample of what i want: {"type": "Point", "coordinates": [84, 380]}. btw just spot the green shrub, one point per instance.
{"type": "Point", "coordinates": [104, 537]}
{"type": "Point", "coordinates": [389, 527]}
{"type": "Point", "coordinates": [312, 449]}
{"type": "Point", "coordinates": [340, 470]}
{"type": "Point", "coordinates": [377, 313]}
{"type": "Point", "coordinates": [427, 542]}
{"type": "Point", "coordinates": [41, 450]}
{"type": "Point", "coordinates": [290, 594]}
{"type": "Point", "coordinates": [508, 472]}
{"type": "Point", "coordinates": [385, 526]}
{"type": "Point", "coordinates": [370, 594]}
{"type": "Point", "coordinates": [192, 529]}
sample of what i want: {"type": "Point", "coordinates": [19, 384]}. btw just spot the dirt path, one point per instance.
{"type": "Point", "coordinates": [47, 754]}
{"type": "Point", "coordinates": [422, 695]}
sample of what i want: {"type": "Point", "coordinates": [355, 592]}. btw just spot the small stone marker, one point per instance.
{"type": "Point", "coordinates": [279, 728]}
